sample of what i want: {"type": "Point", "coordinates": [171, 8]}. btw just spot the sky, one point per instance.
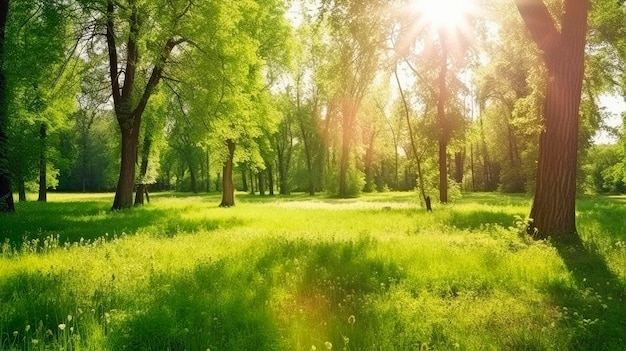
{"type": "Point", "coordinates": [616, 106]}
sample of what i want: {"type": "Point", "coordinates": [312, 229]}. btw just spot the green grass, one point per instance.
{"type": "Point", "coordinates": [299, 272]}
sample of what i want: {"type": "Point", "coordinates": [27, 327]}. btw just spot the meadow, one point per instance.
{"type": "Point", "coordinates": [308, 273]}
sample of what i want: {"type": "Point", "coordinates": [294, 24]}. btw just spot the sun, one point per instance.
{"type": "Point", "coordinates": [444, 15]}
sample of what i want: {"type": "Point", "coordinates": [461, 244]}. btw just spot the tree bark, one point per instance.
{"type": "Point", "coordinates": [554, 205]}
{"type": "Point", "coordinates": [143, 170]}
{"type": "Point", "coordinates": [43, 189]}
{"type": "Point", "coordinates": [6, 194]}
{"type": "Point", "coordinates": [228, 189]}
{"type": "Point", "coordinates": [126, 181]}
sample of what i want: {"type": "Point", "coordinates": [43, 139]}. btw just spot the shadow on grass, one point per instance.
{"type": "Point", "coordinates": [289, 294]}
{"type": "Point", "coordinates": [90, 220]}
{"type": "Point", "coordinates": [595, 308]}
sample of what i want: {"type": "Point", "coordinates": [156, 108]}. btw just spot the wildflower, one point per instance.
{"type": "Point", "coordinates": [15, 333]}
{"type": "Point", "coordinates": [605, 306]}
{"type": "Point", "coordinates": [27, 327]}
{"type": "Point", "coordinates": [328, 345]}
{"type": "Point", "coordinates": [71, 329]}
{"type": "Point", "coordinates": [35, 341]}
{"type": "Point", "coordinates": [49, 332]}
{"type": "Point", "coordinates": [69, 317]}
{"type": "Point", "coordinates": [62, 326]}
{"type": "Point", "coordinates": [351, 319]}
{"type": "Point", "coordinates": [313, 348]}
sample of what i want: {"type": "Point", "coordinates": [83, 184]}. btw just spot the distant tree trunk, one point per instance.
{"type": "Point", "coordinates": [347, 124]}
{"type": "Point", "coordinates": [261, 177]}
{"type": "Point", "coordinates": [6, 194]}
{"type": "Point", "coordinates": [142, 187]}
{"type": "Point", "coordinates": [252, 182]}
{"type": "Point", "coordinates": [208, 172]}
{"type": "Point", "coordinates": [43, 191]}
{"type": "Point", "coordinates": [244, 179]}
{"type": "Point", "coordinates": [21, 189]}
{"type": "Point", "coordinates": [228, 188]}
{"type": "Point", "coordinates": [369, 167]}
{"type": "Point", "coordinates": [554, 205]}
{"type": "Point", "coordinates": [442, 123]}
{"type": "Point", "coordinates": [459, 160]}
{"type": "Point", "coordinates": [192, 177]}
{"type": "Point", "coordinates": [270, 179]}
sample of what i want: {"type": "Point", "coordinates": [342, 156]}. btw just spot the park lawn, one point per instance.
{"type": "Point", "coordinates": [308, 273]}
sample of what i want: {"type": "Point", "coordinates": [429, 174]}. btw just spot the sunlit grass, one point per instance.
{"type": "Point", "coordinates": [293, 273]}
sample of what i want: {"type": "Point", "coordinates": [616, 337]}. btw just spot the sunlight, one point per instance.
{"type": "Point", "coordinates": [445, 15]}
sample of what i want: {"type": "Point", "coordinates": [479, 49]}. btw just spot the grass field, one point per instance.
{"type": "Point", "coordinates": [308, 273]}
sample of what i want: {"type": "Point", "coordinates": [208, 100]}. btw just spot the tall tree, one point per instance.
{"type": "Point", "coordinates": [563, 52]}
{"type": "Point", "coordinates": [129, 89]}
{"type": "Point", "coordinates": [358, 31]}
{"type": "Point", "coordinates": [6, 195]}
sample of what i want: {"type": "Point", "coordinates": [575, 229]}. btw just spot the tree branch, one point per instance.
{"type": "Point", "coordinates": [112, 46]}
{"type": "Point", "coordinates": [542, 28]}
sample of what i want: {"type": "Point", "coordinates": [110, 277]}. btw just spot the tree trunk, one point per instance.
{"type": "Point", "coordinates": [208, 172]}
{"type": "Point", "coordinates": [244, 179]}
{"type": "Point", "coordinates": [143, 169]}
{"type": "Point", "coordinates": [6, 194]}
{"type": "Point", "coordinates": [43, 189]}
{"type": "Point", "coordinates": [554, 205]}
{"type": "Point", "coordinates": [270, 179]}
{"type": "Point", "coordinates": [228, 189]}
{"type": "Point", "coordinates": [21, 189]}
{"type": "Point", "coordinates": [347, 124]}
{"type": "Point", "coordinates": [459, 160]}
{"type": "Point", "coordinates": [192, 177]}
{"type": "Point", "coordinates": [261, 176]}
{"type": "Point", "coordinates": [442, 124]}
{"type": "Point", "coordinates": [126, 181]}
{"type": "Point", "coordinates": [369, 167]}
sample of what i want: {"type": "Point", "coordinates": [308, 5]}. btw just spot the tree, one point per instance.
{"type": "Point", "coordinates": [357, 34]}
{"type": "Point", "coordinates": [130, 89]}
{"type": "Point", "coordinates": [6, 194]}
{"type": "Point", "coordinates": [563, 52]}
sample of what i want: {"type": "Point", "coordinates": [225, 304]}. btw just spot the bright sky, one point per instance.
{"type": "Point", "coordinates": [615, 105]}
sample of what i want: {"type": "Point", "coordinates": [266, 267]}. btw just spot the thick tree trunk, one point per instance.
{"type": "Point", "coordinates": [43, 189]}
{"type": "Point", "coordinates": [142, 187]}
{"type": "Point", "coordinates": [126, 181]}
{"type": "Point", "coordinates": [6, 194]}
{"type": "Point", "coordinates": [554, 205]}
{"type": "Point", "coordinates": [228, 189]}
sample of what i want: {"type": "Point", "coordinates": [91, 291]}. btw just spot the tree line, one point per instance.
{"type": "Point", "coordinates": [333, 96]}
